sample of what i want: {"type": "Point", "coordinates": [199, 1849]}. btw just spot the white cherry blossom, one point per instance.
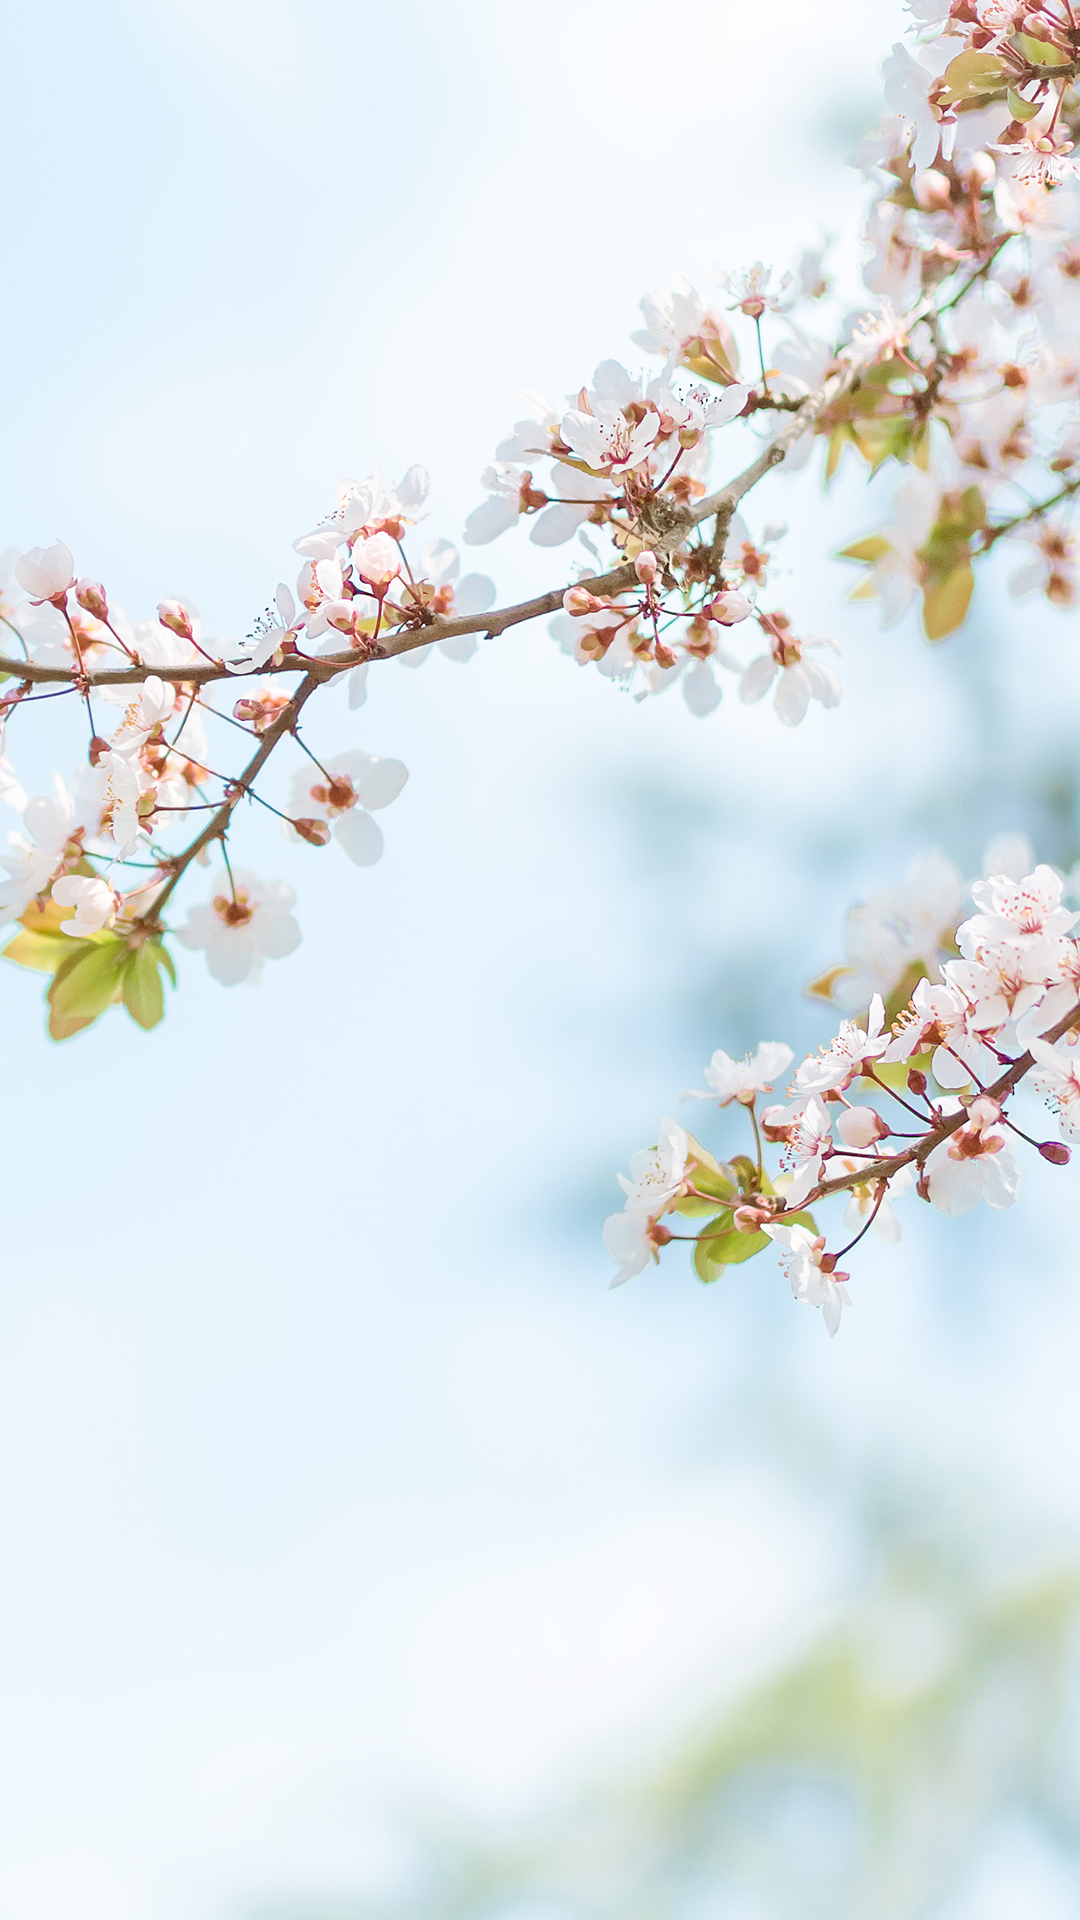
{"type": "Point", "coordinates": [657, 1174]}
{"type": "Point", "coordinates": [801, 1254]}
{"type": "Point", "coordinates": [238, 932]}
{"type": "Point", "coordinates": [838, 1064]}
{"type": "Point", "coordinates": [93, 900]}
{"type": "Point", "coordinates": [345, 791]}
{"type": "Point", "coordinates": [743, 1079]}
{"type": "Point", "coordinates": [46, 573]}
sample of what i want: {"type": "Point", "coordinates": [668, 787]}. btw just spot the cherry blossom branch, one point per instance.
{"type": "Point", "coordinates": [670, 525]}
{"type": "Point", "coordinates": [885, 1168]}
{"type": "Point", "coordinates": [217, 828]}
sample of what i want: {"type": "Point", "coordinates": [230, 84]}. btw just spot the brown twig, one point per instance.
{"type": "Point", "coordinates": [885, 1168]}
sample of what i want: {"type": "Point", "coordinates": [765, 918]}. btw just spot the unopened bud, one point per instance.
{"type": "Point", "coordinates": [861, 1126]}
{"type": "Point", "coordinates": [730, 607]}
{"type": "Point", "coordinates": [932, 190]}
{"type": "Point", "coordinates": [98, 749]}
{"type": "Point", "coordinates": [660, 1235]}
{"type": "Point", "coordinates": [90, 595]}
{"type": "Point", "coordinates": [315, 832]}
{"type": "Point", "coordinates": [176, 617]}
{"type": "Point", "coordinates": [917, 1082]}
{"type": "Point", "coordinates": [982, 168]}
{"type": "Point", "coordinates": [578, 600]}
{"type": "Point", "coordinates": [1056, 1152]}
{"type": "Point", "coordinates": [645, 566]}
{"type": "Point", "coordinates": [749, 1218]}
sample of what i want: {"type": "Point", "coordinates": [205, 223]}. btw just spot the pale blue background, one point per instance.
{"type": "Point", "coordinates": [333, 1485]}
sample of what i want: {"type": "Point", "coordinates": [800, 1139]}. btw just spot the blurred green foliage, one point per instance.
{"type": "Point", "coordinates": [859, 1780]}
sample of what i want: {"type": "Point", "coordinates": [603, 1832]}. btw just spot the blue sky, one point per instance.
{"type": "Point", "coordinates": [332, 1482]}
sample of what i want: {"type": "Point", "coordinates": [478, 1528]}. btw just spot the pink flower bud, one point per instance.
{"type": "Point", "coordinates": [1056, 1152]}
{"type": "Point", "coordinates": [917, 1082]}
{"type": "Point", "coordinates": [176, 618]}
{"type": "Point", "coordinates": [315, 832]}
{"type": "Point", "coordinates": [860, 1127]}
{"type": "Point", "coordinates": [730, 607]}
{"type": "Point", "coordinates": [932, 191]}
{"type": "Point", "coordinates": [578, 600]}
{"type": "Point", "coordinates": [90, 595]}
{"type": "Point", "coordinates": [982, 168]}
{"type": "Point", "coordinates": [748, 1219]}
{"type": "Point", "coordinates": [645, 566]}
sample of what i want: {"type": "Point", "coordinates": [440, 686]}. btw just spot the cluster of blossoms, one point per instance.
{"type": "Point", "coordinates": [90, 870]}
{"type": "Point", "coordinates": [913, 1094]}
{"type": "Point", "coordinates": [962, 378]}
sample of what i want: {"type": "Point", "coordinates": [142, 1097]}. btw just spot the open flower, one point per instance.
{"type": "Point", "coordinates": [838, 1064]}
{"type": "Point", "coordinates": [657, 1174]}
{"type": "Point", "coordinates": [743, 1079]}
{"type": "Point", "coordinates": [345, 792]}
{"type": "Point", "coordinates": [632, 1239]}
{"type": "Point", "coordinates": [801, 679]}
{"type": "Point", "coordinates": [93, 900]}
{"type": "Point", "coordinates": [243, 924]}
{"type": "Point", "coordinates": [1058, 1079]}
{"type": "Point", "coordinates": [973, 1164]}
{"type": "Point", "coordinates": [801, 1255]}
{"type": "Point", "coordinates": [607, 441]}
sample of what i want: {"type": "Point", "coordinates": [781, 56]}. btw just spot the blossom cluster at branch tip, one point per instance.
{"type": "Point", "coordinates": [952, 369]}
{"type": "Point", "coordinates": [975, 1010]}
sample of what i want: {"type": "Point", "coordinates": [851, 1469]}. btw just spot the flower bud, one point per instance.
{"type": "Point", "coordinates": [916, 1080]}
{"type": "Point", "coordinates": [645, 566]}
{"type": "Point", "coordinates": [176, 617]}
{"type": "Point", "coordinates": [578, 600]}
{"type": "Point", "coordinates": [730, 607]}
{"type": "Point", "coordinates": [1056, 1152]}
{"type": "Point", "coordinates": [90, 595]}
{"type": "Point", "coordinates": [315, 832]}
{"type": "Point", "coordinates": [749, 1218]}
{"type": "Point", "coordinates": [982, 168]}
{"type": "Point", "coordinates": [932, 190]}
{"type": "Point", "coordinates": [860, 1127]}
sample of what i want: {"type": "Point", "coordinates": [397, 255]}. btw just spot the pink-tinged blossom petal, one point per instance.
{"type": "Point", "coordinates": [46, 572]}
{"type": "Point", "coordinates": [360, 837]}
{"type": "Point", "coordinates": [93, 900]}
{"type": "Point", "coordinates": [494, 515]}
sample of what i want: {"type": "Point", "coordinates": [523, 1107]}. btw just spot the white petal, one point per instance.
{"type": "Point", "coordinates": [358, 835]}
{"type": "Point", "coordinates": [488, 520]}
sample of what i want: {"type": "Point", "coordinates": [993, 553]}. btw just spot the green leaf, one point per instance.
{"type": "Point", "coordinates": [821, 988]}
{"type": "Point", "coordinates": [708, 1175]}
{"type": "Point", "coordinates": [1038, 53]}
{"type": "Point", "coordinates": [719, 1246]}
{"type": "Point", "coordinates": [1020, 108]}
{"type": "Point", "coordinates": [695, 1206]}
{"type": "Point", "coordinates": [143, 990]}
{"type": "Point", "coordinates": [43, 951]}
{"type": "Point", "coordinates": [894, 1073]}
{"type": "Point", "coordinates": [870, 549]}
{"type": "Point", "coordinates": [946, 602]}
{"type": "Point", "coordinates": [85, 985]}
{"type": "Point", "coordinates": [971, 76]}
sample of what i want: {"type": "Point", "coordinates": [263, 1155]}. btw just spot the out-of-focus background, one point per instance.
{"type": "Point", "coordinates": [358, 1551]}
